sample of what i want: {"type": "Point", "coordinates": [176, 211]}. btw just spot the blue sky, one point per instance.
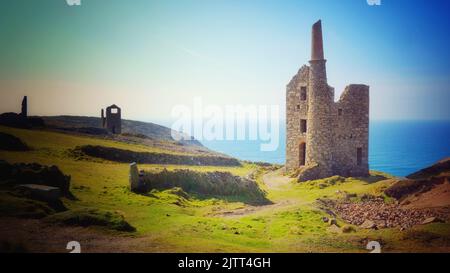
{"type": "Point", "coordinates": [148, 56]}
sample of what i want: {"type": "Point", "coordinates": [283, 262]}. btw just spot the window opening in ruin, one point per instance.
{"type": "Point", "coordinates": [303, 126]}
{"type": "Point", "coordinates": [303, 93]}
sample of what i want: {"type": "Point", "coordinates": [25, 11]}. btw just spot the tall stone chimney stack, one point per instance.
{"type": "Point", "coordinates": [319, 138]}
{"type": "Point", "coordinates": [24, 110]}
{"type": "Point", "coordinates": [103, 118]}
{"type": "Point", "coordinates": [317, 42]}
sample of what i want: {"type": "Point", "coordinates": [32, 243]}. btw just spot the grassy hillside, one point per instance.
{"type": "Point", "coordinates": [166, 221]}
{"type": "Point", "coordinates": [149, 129]}
{"type": "Point", "coordinates": [145, 133]}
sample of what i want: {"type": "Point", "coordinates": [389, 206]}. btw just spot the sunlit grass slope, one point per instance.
{"type": "Point", "coordinates": [168, 222]}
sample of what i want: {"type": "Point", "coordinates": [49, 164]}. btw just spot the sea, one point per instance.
{"type": "Point", "coordinates": [395, 147]}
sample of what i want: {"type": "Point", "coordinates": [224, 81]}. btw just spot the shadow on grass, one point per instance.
{"type": "Point", "coordinates": [261, 201]}
{"type": "Point", "coordinates": [374, 178]}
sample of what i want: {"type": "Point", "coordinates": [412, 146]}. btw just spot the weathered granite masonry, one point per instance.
{"type": "Point", "coordinates": [324, 137]}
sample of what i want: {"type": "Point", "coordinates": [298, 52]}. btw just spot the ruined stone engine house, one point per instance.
{"type": "Point", "coordinates": [324, 137]}
{"type": "Point", "coordinates": [113, 120]}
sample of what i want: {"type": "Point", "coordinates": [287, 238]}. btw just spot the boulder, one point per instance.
{"type": "Point", "coordinates": [348, 229]}
{"type": "Point", "coordinates": [430, 220]}
{"type": "Point", "coordinates": [332, 222]}
{"type": "Point", "coordinates": [309, 172]}
{"type": "Point", "coordinates": [368, 224]}
{"type": "Point", "coordinates": [41, 192]}
{"type": "Point", "coordinates": [33, 173]}
{"type": "Point", "coordinates": [381, 224]}
{"type": "Point", "coordinates": [334, 229]}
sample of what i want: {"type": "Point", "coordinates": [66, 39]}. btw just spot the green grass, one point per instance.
{"type": "Point", "coordinates": [11, 205]}
{"type": "Point", "coordinates": [57, 143]}
{"type": "Point", "coordinates": [179, 224]}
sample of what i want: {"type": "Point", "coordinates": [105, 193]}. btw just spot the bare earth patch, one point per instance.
{"type": "Point", "coordinates": [439, 196]}
{"type": "Point", "coordinates": [247, 210]}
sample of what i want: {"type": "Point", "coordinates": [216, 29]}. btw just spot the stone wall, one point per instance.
{"type": "Point", "coordinates": [351, 116]}
{"type": "Point", "coordinates": [296, 109]}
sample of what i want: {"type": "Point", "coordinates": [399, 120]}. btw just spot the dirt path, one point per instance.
{"type": "Point", "coordinates": [274, 181]}
{"type": "Point", "coordinates": [29, 232]}
{"type": "Point", "coordinates": [248, 209]}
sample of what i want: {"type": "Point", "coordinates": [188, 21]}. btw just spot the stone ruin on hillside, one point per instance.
{"type": "Point", "coordinates": [21, 120]}
{"type": "Point", "coordinates": [324, 137]}
{"type": "Point", "coordinates": [24, 110]}
{"type": "Point", "coordinates": [113, 120]}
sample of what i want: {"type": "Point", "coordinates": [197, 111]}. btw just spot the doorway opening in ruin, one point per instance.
{"type": "Point", "coordinates": [359, 156]}
{"type": "Point", "coordinates": [114, 129]}
{"type": "Point", "coordinates": [302, 154]}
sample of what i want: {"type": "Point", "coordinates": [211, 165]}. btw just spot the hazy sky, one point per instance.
{"type": "Point", "coordinates": [147, 56]}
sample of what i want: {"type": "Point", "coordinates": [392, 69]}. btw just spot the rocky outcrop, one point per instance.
{"type": "Point", "coordinates": [41, 192]}
{"type": "Point", "coordinates": [309, 172]}
{"type": "Point", "coordinates": [21, 173]}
